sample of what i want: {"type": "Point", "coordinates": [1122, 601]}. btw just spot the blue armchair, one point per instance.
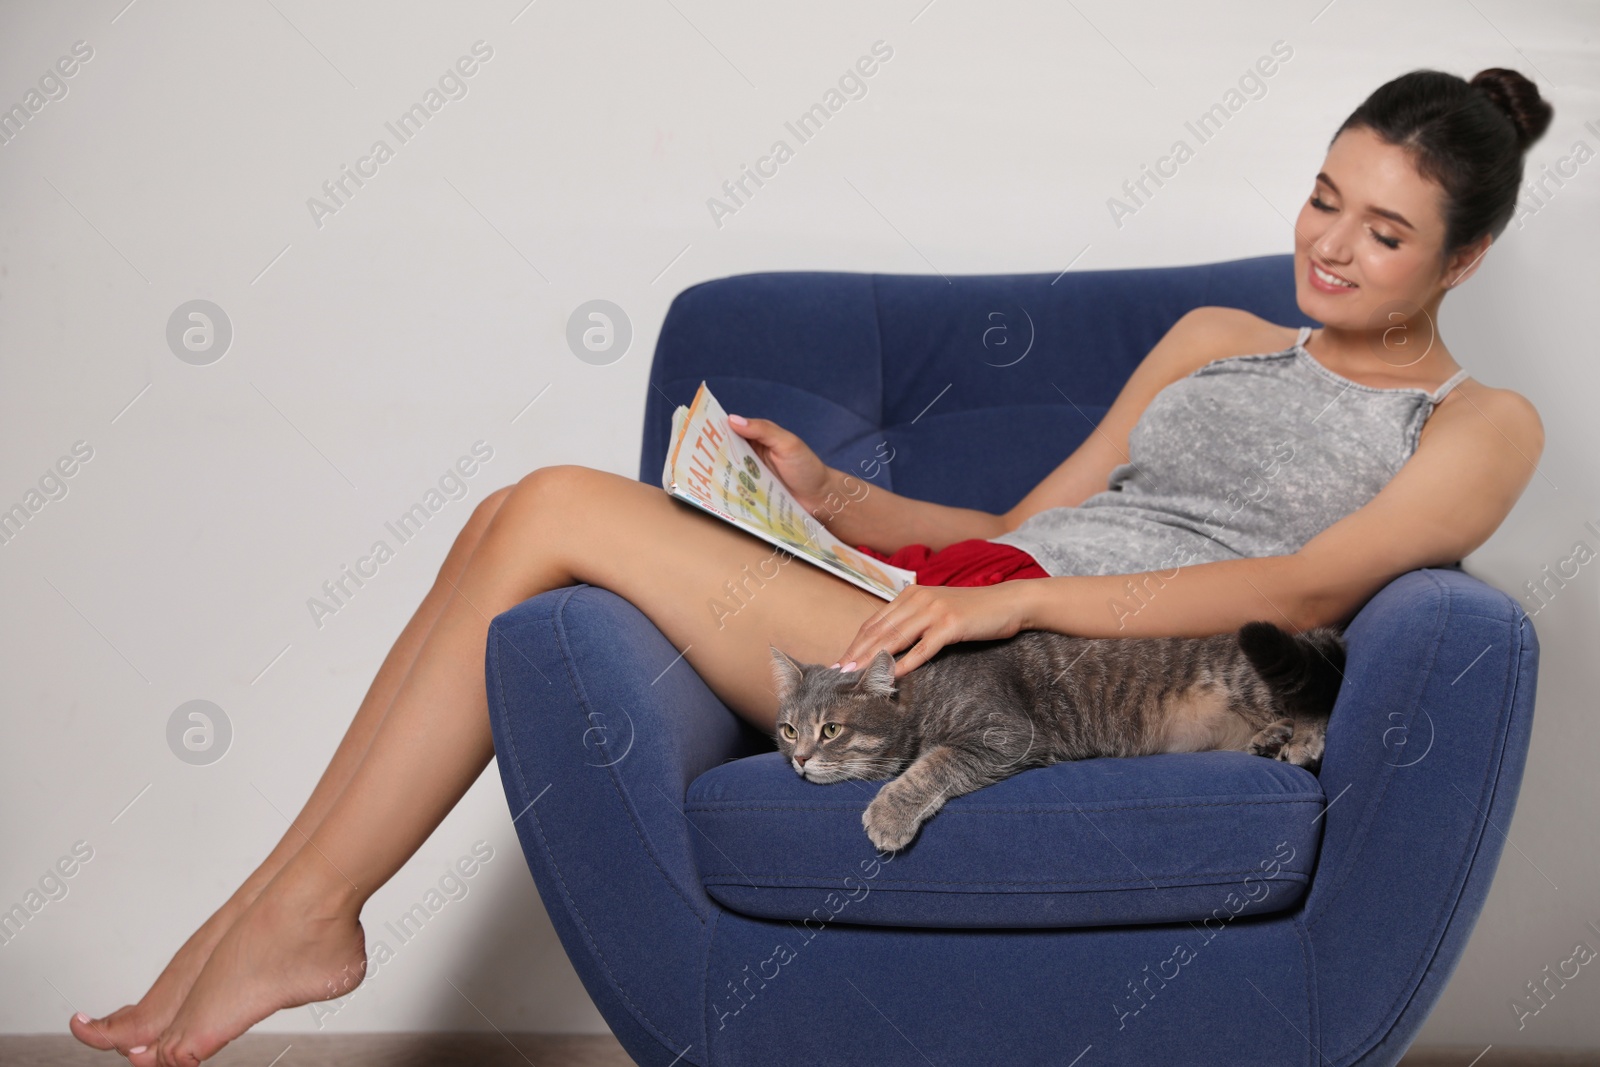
{"type": "Point", "coordinates": [1193, 909]}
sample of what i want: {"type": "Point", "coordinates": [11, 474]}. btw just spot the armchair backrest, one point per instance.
{"type": "Point", "coordinates": [977, 386]}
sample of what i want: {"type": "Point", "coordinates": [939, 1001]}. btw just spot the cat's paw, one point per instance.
{"type": "Point", "coordinates": [1305, 752]}
{"type": "Point", "coordinates": [1271, 739]}
{"type": "Point", "coordinates": [891, 822]}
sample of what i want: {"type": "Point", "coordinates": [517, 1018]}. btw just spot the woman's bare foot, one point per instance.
{"type": "Point", "coordinates": [140, 1024]}
{"type": "Point", "coordinates": [296, 944]}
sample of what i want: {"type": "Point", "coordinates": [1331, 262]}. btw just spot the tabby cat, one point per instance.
{"type": "Point", "coordinates": [981, 711]}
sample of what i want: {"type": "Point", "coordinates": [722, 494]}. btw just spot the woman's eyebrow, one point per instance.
{"type": "Point", "coordinates": [1322, 176]}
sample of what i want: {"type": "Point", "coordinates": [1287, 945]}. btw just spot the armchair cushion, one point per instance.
{"type": "Point", "coordinates": [1147, 839]}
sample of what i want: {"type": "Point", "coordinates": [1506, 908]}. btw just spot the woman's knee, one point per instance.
{"type": "Point", "coordinates": [489, 505]}
{"type": "Point", "coordinates": [481, 517]}
{"type": "Point", "coordinates": [555, 497]}
{"type": "Point", "coordinates": [565, 491]}
{"type": "Point", "coordinates": [472, 532]}
{"type": "Point", "coordinates": [542, 483]}
{"type": "Point", "coordinates": [557, 480]}
{"type": "Point", "coordinates": [510, 511]}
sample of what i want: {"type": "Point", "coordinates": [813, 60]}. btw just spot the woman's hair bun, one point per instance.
{"type": "Point", "coordinates": [1520, 100]}
{"type": "Point", "coordinates": [1469, 137]}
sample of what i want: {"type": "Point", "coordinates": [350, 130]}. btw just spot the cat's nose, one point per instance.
{"type": "Point", "coordinates": [801, 760]}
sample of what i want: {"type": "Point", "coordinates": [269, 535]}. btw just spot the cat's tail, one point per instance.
{"type": "Point", "coordinates": [1304, 670]}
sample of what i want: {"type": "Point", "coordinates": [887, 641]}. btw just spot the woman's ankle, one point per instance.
{"type": "Point", "coordinates": [313, 885]}
{"type": "Point", "coordinates": [237, 904]}
{"type": "Point", "coordinates": [258, 880]}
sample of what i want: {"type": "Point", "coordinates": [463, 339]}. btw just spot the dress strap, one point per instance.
{"type": "Point", "coordinates": [1434, 397]}
{"type": "Point", "coordinates": [1449, 384]}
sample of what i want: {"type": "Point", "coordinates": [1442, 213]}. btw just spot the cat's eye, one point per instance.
{"type": "Point", "coordinates": [830, 730]}
{"type": "Point", "coordinates": [787, 730]}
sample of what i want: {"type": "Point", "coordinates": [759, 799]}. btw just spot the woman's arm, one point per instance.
{"type": "Point", "coordinates": [855, 510]}
{"type": "Point", "coordinates": [860, 513]}
{"type": "Point", "coordinates": [1452, 494]}
{"type": "Point", "coordinates": [1179, 601]}
{"type": "Point", "coordinates": [1194, 600]}
{"type": "Point", "coordinates": [1476, 457]}
{"type": "Point", "coordinates": [863, 514]}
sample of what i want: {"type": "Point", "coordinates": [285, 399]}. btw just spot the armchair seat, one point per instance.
{"type": "Point", "coordinates": [1191, 836]}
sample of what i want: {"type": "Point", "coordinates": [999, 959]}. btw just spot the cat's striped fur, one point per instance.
{"type": "Point", "coordinates": [980, 711]}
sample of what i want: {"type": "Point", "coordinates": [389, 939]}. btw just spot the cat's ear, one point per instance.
{"type": "Point", "coordinates": [785, 673]}
{"type": "Point", "coordinates": [878, 677]}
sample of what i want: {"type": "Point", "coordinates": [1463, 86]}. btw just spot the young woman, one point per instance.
{"type": "Point", "coordinates": [1396, 460]}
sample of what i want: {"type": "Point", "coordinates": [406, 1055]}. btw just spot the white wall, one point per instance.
{"type": "Point", "coordinates": [371, 351]}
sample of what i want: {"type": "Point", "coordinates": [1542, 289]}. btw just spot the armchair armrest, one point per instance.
{"type": "Point", "coordinates": [599, 726]}
{"type": "Point", "coordinates": [1424, 758]}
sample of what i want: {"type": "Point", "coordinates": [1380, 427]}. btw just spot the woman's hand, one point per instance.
{"type": "Point", "coordinates": [925, 618]}
{"type": "Point", "coordinates": [791, 459]}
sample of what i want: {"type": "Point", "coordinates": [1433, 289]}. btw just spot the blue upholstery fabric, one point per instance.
{"type": "Point", "coordinates": [1190, 828]}
{"type": "Point", "coordinates": [857, 359]}
{"type": "Point", "coordinates": [600, 744]}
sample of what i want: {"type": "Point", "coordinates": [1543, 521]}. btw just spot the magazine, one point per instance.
{"type": "Point", "coordinates": [713, 468]}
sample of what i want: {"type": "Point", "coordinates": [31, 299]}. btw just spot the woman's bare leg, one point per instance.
{"type": "Point", "coordinates": [141, 1023]}
{"type": "Point", "coordinates": [301, 939]}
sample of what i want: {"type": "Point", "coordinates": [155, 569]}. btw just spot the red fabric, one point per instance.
{"type": "Point", "coordinates": [975, 562]}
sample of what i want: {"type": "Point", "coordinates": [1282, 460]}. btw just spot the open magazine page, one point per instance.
{"type": "Point", "coordinates": [710, 465]}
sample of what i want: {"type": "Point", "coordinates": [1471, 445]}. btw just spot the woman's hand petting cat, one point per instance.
{"type": "Point", "coordinates": [790, 458]}
{"type": "Point", "coordinates": [925, 618]}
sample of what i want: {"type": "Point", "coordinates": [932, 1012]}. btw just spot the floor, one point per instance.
{"type": "Point", "coordinates": [350, 1050]}
{"type": "Point", "coordinates": [523, 1050]}
{"type": "Point", "coordinates": [1441, 1056]}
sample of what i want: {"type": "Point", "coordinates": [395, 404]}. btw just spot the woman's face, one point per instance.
{"type": "Point", "coordinates": [1376, 223]}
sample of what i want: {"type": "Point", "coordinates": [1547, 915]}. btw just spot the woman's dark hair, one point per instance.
{"type": "Point", "coordinates": [1468, 137]}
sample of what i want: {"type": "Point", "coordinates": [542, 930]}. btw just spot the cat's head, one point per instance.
{"type": "Point", "coordinates": [834, 724]}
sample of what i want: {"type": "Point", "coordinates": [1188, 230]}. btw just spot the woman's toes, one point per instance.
{"type": "Point", "coordinates": [116, 1031]}
{"type": "Point", "coordinates": [144, 1056]}
{"type": "Point", "coordinates": [177, 1053]}
{"type": "Point", "coordinates": [91, 1032]}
